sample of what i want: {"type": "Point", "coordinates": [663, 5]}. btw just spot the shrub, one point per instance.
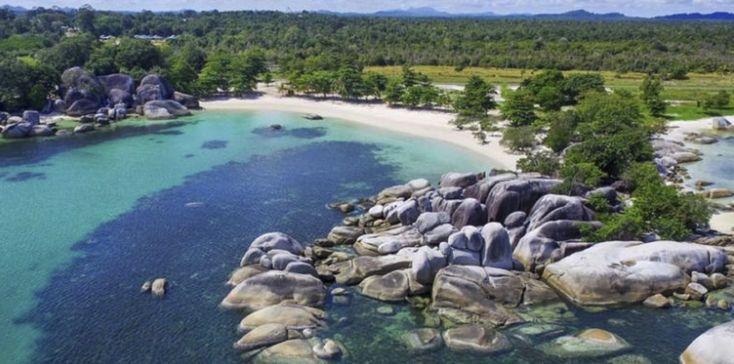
{"type": "Point", "coordinates": [518, 138]}
{"type": "Point", "coordinates": [543, 162]}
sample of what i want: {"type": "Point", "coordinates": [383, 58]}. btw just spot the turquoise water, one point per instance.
{"type": "Point", "coordinates": [88, 218]}
{"type": "Point", "coordinates": [716, 165]}
{"type": "Point", "coordinates": [58, 193]}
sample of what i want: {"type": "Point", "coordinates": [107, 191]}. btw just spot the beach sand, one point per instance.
{"type": "Point", "coordinates": [421, 123]}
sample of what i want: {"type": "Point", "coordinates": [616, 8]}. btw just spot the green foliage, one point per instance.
{"type": "Point", "coordinates": [583, 173]}
{"type": "Point", "coordinates": [375, 84]}
{"type": "Point", "coordinates": [24, 86]}
{"type": "Point", "coordinates": [69, 52]}
{"type": "Point", "coordinates": [394, 91]}
{"type": "Point", "coordinates": [349, 83]}
{"type": "Point", "coordinates": [550, 98]}
{"type": "Point", "coordinates": [519, 138]}
{"type": "Point", "coordinates": [543, 162]}
{"type": "Point", "coordinates": [640, 174]}
{"type": "Point", "coordinates": [561, 131]}
{"type": "Point", "coordinates": [476, 99]}
{"type": "Point", "coordinates": [651, 89]}
{"type": "Point", "coordinates": [580, 83]}
{"type": "Point", "coordinates": [719, 100]}
{"type": "Point", "coordinates": [136, 53]}
{"type": "Point", "coordinates": [519, 108]}
{"type": "Point", "coordinates": [231, 72]}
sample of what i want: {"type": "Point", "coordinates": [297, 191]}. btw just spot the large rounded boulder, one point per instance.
{"type": "Point", "coordinates": [715, 346]}
{"type": "Point", "coordinates": [274, 287]}
{"type": "Point", "coordinates": [154, 87]}
{"type": "Point", "coordinates": [164, 109]}
{"type": "Point", "coordinates": [619, 272]}
{"type": "Point", "coordinates": [516, 195]}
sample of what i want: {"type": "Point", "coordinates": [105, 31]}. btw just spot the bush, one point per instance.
{"type": "Point", "coordinates": [519, 108]}
{"type": "Point", "coordinates": [518, 138]}
{"type": "Point", "coordinates": [544, 162]}
{"type": "Point", "coordinates": [562, 128]}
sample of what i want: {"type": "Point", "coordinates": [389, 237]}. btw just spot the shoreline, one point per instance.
{"type": "Point", "coordinates": [721, 221]}
{"type": "Point", "coordinates": [420, 123]}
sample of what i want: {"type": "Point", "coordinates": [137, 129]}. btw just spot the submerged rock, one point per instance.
{"type": "Point", "coordinates": [423, 340]}
{"type": "Point", "coordinates": [629, 272]}
{"type": "Point", "coordinates": [589, 343]}
{"type": "Point", "coordinates": [392, 287]}
{"type": "Point", "coordinates": [273, 287]}
{"type": "Point", "coordinates": [292, 316]}
{"type": "Point", "coordinates": [263, 335]}
{"type": "Point", "coordinates": [290, 351]}
{"type": "Point", "coordinates": [476, 339]}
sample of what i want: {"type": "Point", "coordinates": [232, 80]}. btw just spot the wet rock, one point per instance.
{"type": "Point", "coordinates": [712, 347]}
{"type": "Point", "coordinates": [191, 102]}
{"type": "Point", "coordinates": [17, 130]}
{"type": "Point", "coordinates": [702, 279]}
{"type": "Point", "coordinates": [392, 287]}
{"type": "Point", "coordinates": [426, 263]}
{"type": "Point", "coordinates": [657, 301]}
{"type": "Point", "coordinates": [629, 272]}
{"type": "Point", "coordinates": [292, 316]}
{"type": "Point", "coordinates": [537, 292]}
{"type": "Point", "coordinates": [720, 123]}
{"type": "Point", "coordinates": [242, 273]}
{"type": "Point", "coordinates": [164, 109]}
{"type": "Point", "coordinates": [716, 193]}
{"type": "Point", "coordinates": [327, 349]}
{"type": "Point", "coordinates": [146, 286]}
{"type": "Point", "coordinates": [359, 268]}
{"type": "Point", "coordinates": [342, 235]}
{"type": "Point", "coordinates": [42, 131]}
{"type": "Point", "coordinates": [264, 335]}
{"type": "Point", "coordinates": [477, 294]}
{"type": "Point", "coordinates": [696, 291]}
{"type": "Point", "coordinates": [719, 281]}
{"type": "Point", "coordinates": [589, 343]}
{"type": "Point", "coordinates": [423, 340]}
{"type": "Point", "coordinates": [274, 287]}
{"type": "Point", "coordinates": [276, 240]}
{"type": "Point", "coordinates": [158, 287]}
{"type": "Point", "coordinates": [31, 116]}
{"type": "Point", "coordinates": [290, 351]}
{"type": "Point", "coordinates": [83, 128]}
{"type": "Point", "coordinates": [476, 339]}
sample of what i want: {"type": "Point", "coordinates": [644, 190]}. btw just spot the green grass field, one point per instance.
{"type": "Point", "coordinates": [684, 92]}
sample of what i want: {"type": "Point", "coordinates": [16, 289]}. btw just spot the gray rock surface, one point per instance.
{"type": "Point", "coordinates": [619, 272]}
{"type": "Point", "coordinates": [712, 347]}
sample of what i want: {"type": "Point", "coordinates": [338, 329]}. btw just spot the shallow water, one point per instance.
{"type": "Point", "coordinates": [716, 165]}
{"type": "Point", "coordinates": [88, 218]}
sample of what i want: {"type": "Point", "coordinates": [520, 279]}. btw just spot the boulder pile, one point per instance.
{"type": "Point", "coordinates": [481, 252]}
{"type": "Point", "coordinates": [99, 100]}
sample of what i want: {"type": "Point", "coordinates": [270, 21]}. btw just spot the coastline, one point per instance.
{"type": "Point", "coordinates": [722, 221]}
{"type": "Point", "coordinates": [420, 123]}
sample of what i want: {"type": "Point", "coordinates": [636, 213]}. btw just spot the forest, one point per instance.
{"type": "Point", "coordinates": [202, 52]}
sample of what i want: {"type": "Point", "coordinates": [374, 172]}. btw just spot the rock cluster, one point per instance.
{"type": "Point", "coordinates": [279, 287]}
{"type": "Point", "coordinates": [100, 100]}
{"type": "Point", "coordinates": [480, 252]}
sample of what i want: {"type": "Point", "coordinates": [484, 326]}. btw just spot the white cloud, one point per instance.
{"type": "Point", "coordinates": [630, 7]}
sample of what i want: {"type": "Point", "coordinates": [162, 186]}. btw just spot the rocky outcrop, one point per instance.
{"type": "Point", "coordinates": [549, 243]}
{"type": "Point", "coordinates": [357, 269]}
{"type": "Point", "coordinates": [628, 272]}
{"type": "Point", "coordinates": [712, 347]}
{"type": "Point", "coordinates": [516, 195]}
{"type": "Point", "coordinates": [589, 343]}
{"type": "Point", "coordinates": [477, 294]}
{"type": "Point", "coordinates": [190, 101]}
{"type": "Point", "coordinates": [476, 339]}
{"type": "Point", "coordinates": [388, 242]}
{"type": "Point", "coordinates": [154, 87]}
{"type": "Point", "coordinates": [164, 109]}
{"type": "Point", "coordinates": [17, 130]}
{"type": "Point", "coordinates": [395, 286]}
{"type": "Point", "coordinates": [273, 287]}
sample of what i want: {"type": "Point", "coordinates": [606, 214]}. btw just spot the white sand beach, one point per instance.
{"type": "Point", "coordinates": [421, 123]}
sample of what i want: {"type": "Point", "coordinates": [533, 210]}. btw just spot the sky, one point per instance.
{"type": "Point", "coordinates": [628, 7]}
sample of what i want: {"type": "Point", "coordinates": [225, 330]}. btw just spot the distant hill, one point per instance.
{"type": "Point", "coordinates": [718, 16]}
{"type": "Point", "coordinates": [428, 12]}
